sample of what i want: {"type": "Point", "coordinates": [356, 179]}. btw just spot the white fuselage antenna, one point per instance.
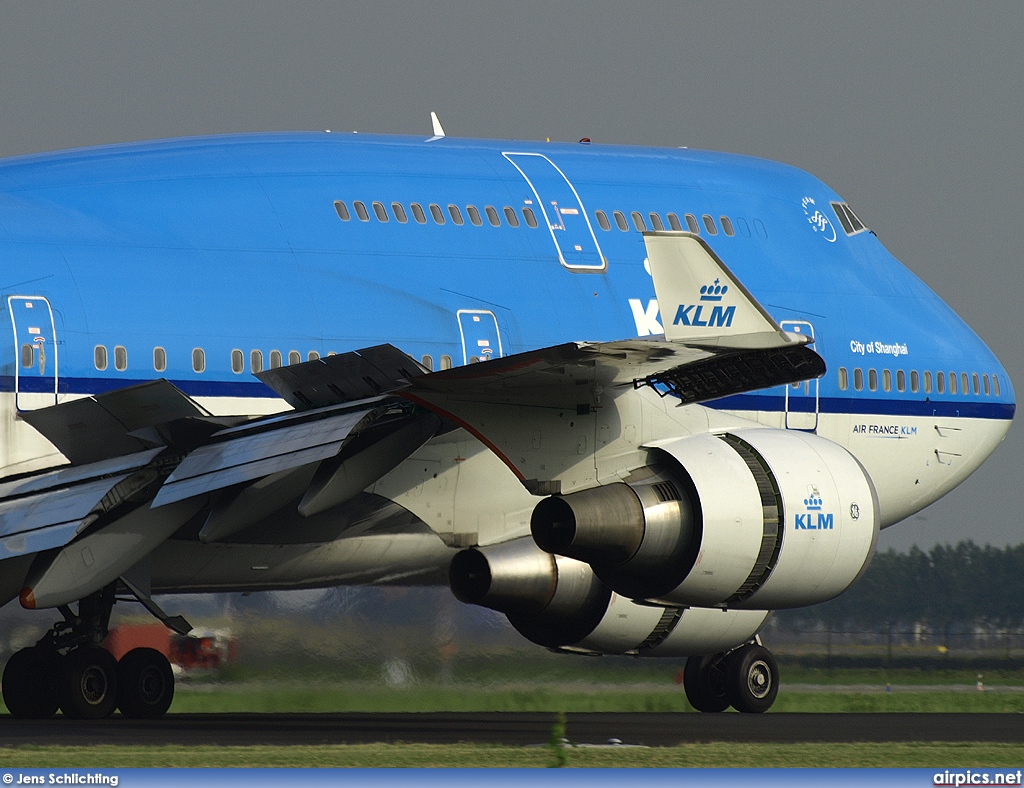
{"type": "Point", "coordinates": [438, 128]}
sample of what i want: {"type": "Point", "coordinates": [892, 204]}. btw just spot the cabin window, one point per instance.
{"type": "Point", "coordinates": [120, 358]}
{"type": "Point", "coordinates": [858, 379]}
{"type": "Point", "coordinates": [474, 215]}
{"type": "Point", "coordinates": [531, 219]}
{"type": "Point", "coordinates": [381, 212]}
{"type": "Point", "coordinates": [361, 211]}
{"type": "Point", "coordinates": [886, 380]}
{"type": "Point", "coordinates": [399, 212]}
{"type": "Point", "coordinates": [673, 222]}
{"type": "Point", "coordinates": [492, 216]}
{"type": "Point", "coordinates": [99, 357]}
{"type": "Point", "coordinates": [976, 383]}
{"type": "Point", "coordinates": [237, 362]}
{"type": "Point", "coordinates": [727, 226]}
{"type": "Point", "coordinates": [915, 381]}
{"type": "Point", "coordinates": [28, 356]}
{"type": "Point", "coordinates": [275, 359]}
{"type": "Point", "coordinates": [446, 362]}
{"type": "Point", "coordinates": [342, 210]}
{"type": "Point", "coordinates": [965, 385]}
{"type": "Point", "coordinates": [709, 225]}
{"type": "Point", "coordinates": [602, 220]}
{"type": "Point", "coordinates": [872, 380]}
{"type": "Point", "coordinates": [428, 361]}
{"type": "Point", "coordinates": [691, 223]}
{"type": "Point", "coordinates": [256, 361]}
{"type": "Point", "coordinates": [638, 221]}
{"type": "Point", "coordinates": [312, 356]}
{"type": "Point", "coordinates": [952, 383]}
{"type": "Point", "coordinates": [656, 222]}
{"type": "Point", "coordinates": [844, 379]}
{"type": "Point", "coordinates": [417, 213]}
{"type": "Point", "coordinates": [511, 218]}
{"type": "Point", "coordinates": [620, 221]}
{"type": "Point", "coordinates": [198, 360]}
{"type": "Point", "coordinates": [744, 227]}
{"type": "Point", "coordinates": [436, 213]}
{"type": "Point", "coordinates": [456, 214]}
{"type": "Point", "coordinates": [159, 359]}
{"type": "Point", "coordinates": [927, 382]}
{"type": "Point", "coordinates": [901, 380]}
{"type": "Point", "coordinates": [995, 384]}
{"type": "Point", "coordinates": [984, 380]}
{"type": "Point", "coordinates": [294, 357]}
{"type": "Point", "coordinates": [940, 382]}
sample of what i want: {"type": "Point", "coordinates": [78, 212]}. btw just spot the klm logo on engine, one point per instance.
{"type": "Point", "coordinates": [695, 314]}
{"type": "Point", "coordinates": [814, 519]}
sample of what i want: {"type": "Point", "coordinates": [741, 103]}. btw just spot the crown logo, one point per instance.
{"type": "Point", "coordinates": [814, 501]}
{"type": "Point", "coordinates": [713, 292]}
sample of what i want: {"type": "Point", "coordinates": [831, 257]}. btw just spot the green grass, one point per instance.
{"type": "Point", "coordinates": [322, 696]}
{"type": "Point", "coordinates": [429, 755]}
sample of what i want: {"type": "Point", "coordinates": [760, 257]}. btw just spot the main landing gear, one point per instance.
{"type": "Point", "coordinates": [746, 678]}
{"type": "Point", "coordinates": [68, 670]}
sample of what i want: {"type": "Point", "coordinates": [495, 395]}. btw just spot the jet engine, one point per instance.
{"type": "Point", "coordinates": [560, 603]}
{"type": "Point", "coordinates": [756, 519]}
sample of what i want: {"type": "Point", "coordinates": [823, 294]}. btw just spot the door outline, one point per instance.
{"type": "Point", "coordinates": [805, 420]}
{"type": "Point", "coordinates": [462, 332]}
{"type": "Point", "coordinates": [559, 224]}
{"type": "Point", "coordinates": [39, 347]}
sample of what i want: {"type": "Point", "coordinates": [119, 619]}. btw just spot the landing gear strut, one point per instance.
{"type": "Point", "coordinates": [746, 679]}
{"type": "Point", "coordinates": [69, 670]}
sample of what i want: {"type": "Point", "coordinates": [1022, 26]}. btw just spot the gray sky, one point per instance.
{"type": "Point", "coordinates": [912, 111]}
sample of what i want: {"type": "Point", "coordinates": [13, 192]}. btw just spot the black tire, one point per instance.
{"type": "Point", "coordinates": [29, 684]}
{"type": "Point", "coordinates": [88, 684]}
{"type": "Point", "coordinates": [145, 684]}
{"type": "Point", "coordinates": [704, 683]}
{"type": "Point", "coordinates": [752, 679]}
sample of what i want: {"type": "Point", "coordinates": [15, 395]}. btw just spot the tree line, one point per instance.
{"type": "Point", "coordinates": [950, 586]}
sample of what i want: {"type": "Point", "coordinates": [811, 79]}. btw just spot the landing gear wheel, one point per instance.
{"type": "Point", "coordinates": [752, 679]}
{"type": "Point", "coordinates": [145, 684]}
{"type": "Point", "coordinates": [28, 684]}
{"type": "Point", "coordinates": [88, 684]}
{"type": "Point", "coordinates": [704, 683]}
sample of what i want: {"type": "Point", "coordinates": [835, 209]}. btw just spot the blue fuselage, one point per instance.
{"type": "Point", "coordinates": [234, 252]}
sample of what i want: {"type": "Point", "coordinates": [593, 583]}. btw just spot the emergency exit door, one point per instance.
{"type": "Point", "coordinates": [35, 352]}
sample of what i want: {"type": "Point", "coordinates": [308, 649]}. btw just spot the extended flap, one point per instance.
{"type": "Point", "coordinates": [342, 378]}
{"type": "Point", "coordinates": [280, 444]}
{"type": "Point", "coordinates": [108, 425]}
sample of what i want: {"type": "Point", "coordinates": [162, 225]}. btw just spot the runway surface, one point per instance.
{"type": "Point", "coordinates": [653, 729]}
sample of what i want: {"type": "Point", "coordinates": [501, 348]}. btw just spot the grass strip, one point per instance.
{"type": "Point", "coordinates": [313, 698]}
{"type": "Point", "coordinates": [925, 755]}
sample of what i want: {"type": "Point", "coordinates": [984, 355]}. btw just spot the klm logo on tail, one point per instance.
{"type": "Point", "coordinates": [694, 314]}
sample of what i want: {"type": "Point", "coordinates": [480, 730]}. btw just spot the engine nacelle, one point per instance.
{"type": "Point", "coordinates": [756, 519]}
{"type": "Point", "coordinates": [560, 603]}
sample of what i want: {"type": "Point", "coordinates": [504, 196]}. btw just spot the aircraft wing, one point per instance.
{"type": "Point", "coordinates": [357, 416]}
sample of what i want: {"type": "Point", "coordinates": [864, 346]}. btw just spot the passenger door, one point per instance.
{"type": "Point", "coordinates": [562, 211]}
{"type": "Point", "coordinates": [35, 352]}
{"type": "Point", "coordinates": [801, 398]}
